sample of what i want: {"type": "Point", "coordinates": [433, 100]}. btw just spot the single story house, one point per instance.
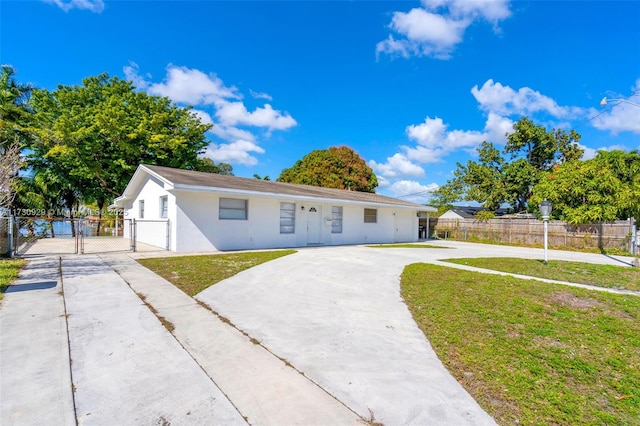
{"type": "Point", "coordinates": [189, 211]}
{"type": "Point", "coordinates": [456, 214]}
{"type": "Point", "coordinates": [469, 212]}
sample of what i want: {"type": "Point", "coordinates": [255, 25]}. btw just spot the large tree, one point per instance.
{"type": "Point", "coordinates": [206, 164]}
{"type": "Point", "coordinates": [14, 117]}
{"type": "Point", "coordinates": [337, 167]}
{"type": "Point", "coordinates": [96, 134]}
{"type": "Point", "coordinates": [602, 189]}
{"type": "Point", "coordinates": [494, 180]}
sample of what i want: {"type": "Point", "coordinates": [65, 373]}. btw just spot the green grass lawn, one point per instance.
{"type": "Point", "coordinates": [531, 352]}
{"type": "Point", "coordinates": [9, 270]}
{"type": "Point", "coordinates": [193, 274]}
{"type": "Point", "coordinates": [610, 276]}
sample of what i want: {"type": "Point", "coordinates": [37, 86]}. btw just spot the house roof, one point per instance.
{"type": "Point", "coordinates": [462, 213]}
{"type": "Point", "coordinates": [188, 180]}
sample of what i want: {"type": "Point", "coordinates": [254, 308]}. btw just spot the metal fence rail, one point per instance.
{"type": "Point", "coordinates": [28, 236]}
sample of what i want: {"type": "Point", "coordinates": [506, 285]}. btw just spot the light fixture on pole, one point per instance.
{"type": "Point", "coordinates": [605, 101]}
{"type": "Point", "coordinates": [545, 211]}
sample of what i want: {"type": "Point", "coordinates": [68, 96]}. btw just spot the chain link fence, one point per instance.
{"type": "Point", "coordinates": [30, 236]}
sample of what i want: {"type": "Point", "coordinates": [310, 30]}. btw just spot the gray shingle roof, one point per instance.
{"type": "Point", "coordinates": [179, 177]}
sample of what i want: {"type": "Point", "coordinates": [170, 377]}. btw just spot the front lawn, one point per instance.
{"type": "Point", "coordinates": [531, 352]}
{"type": "Point", "coordinates": [9, 270]}
{"type": "Point", "coordinates": [610, 276]}
{"type": "Point", "coordinates": [193, 274]}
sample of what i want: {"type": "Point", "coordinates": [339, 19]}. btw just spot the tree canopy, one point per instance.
{"type": "Point", "coordinates": [337, 167]}
{"type": "Point", "coordinates": [206, 164]}
{"type": "Point", "coordinates": [494, 180]}
{"type": "Point", "coordinates": [98, 133]}
{"type": "Point", "coordinates": [602, 189]}
{"type": "Point", "coordinates": [14, 116]}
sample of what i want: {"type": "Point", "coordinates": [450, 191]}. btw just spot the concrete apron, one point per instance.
{"type": "Point", "coordinates": [263, 388]}
{"type": "Point", "coordinates": [127, 368]}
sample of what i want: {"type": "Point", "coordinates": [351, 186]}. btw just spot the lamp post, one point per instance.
{"type": "Point", "coordinates": [605, 101]}
{"type": "Point", "coordinates": [545, 211]}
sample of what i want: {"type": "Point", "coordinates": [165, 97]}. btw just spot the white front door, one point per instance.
{"type": "Point", "coordinates": [314, 224]}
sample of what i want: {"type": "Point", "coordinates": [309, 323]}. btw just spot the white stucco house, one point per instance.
{"type": "Point", "coordinates": [197, 211]}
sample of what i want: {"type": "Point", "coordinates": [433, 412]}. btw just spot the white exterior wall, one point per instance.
{"type": "Point", "coordinates": [196, 226]}
{"type": "Point", "coordinates": [152, 229]}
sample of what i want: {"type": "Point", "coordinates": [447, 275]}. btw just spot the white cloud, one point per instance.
{"type": "Point", "coordinates": [497, 127]}
{"type": "Point", "coordinates": [424, 155]}
{"type": "Point", "coordinates": [220, 105]}
{"type": "Point", "coordinates": [231, 133]}
{"type": "Point", "coordinates": [260, 95]}
{"type": "Point", "coordinates": [412, 191]}
{"type": "Point", "coordinates": [589, 153]}
{"type": "Point", "coordinates": [131, 73]}
{"type": "Point", "coordinates": [438, 26]}
{"type": "Point", "coordinates": [237, 152]}
{"type": "Point", "coordinates": [433, 134]}
{"type": "Point", "coordinates": [499, 99]}
{"type": "Point", "coordinates": [397, 165]}
{"type": "Point", "coordinates": [204, 116]}
{"type": "Point", "coordinates": [191, 86]}
{"type": "Point", "coordinates": [233, 113]}
{"type": "Point", "coordinates": [95, 6]}
{"type": "Point", "coordinates": [434, 141]}
{"type": "Point", "coordinates": [490, 10]}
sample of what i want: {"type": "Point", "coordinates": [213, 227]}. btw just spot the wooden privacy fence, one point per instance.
{"type": "Point", "coordinates": [531, 232]}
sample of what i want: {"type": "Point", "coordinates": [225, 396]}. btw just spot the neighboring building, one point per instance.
{"type": "Point", "coordinates": [205, 211]}
{"type": "Point", "coordinates": [468, 212]}
{"type": "Point", "coordinates": [456, 214]}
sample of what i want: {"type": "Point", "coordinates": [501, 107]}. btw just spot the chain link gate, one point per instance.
{"type": "Point", "coordinates": [30, 236]}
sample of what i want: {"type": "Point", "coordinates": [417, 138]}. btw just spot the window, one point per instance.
{"type": "Point", "coordinates": [141, 209]}
{"type": "Point", "coordinates": [336, 220]}
{"type": "Point", "coordinates": [370, 215]}
{"type": "Point", "coordinates": [164, 206]}
{"type": "Point", "coordinates": [233, 208]}
{"type": "Point", "coordinates": [287, 218]}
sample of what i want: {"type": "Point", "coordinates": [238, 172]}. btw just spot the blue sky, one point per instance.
{"type": "Point", "coordinates": [413, 87]}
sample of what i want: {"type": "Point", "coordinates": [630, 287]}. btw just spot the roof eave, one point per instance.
{"type": "Point", "coordinates": [234, 191]}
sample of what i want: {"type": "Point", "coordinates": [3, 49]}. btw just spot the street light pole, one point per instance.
{"type": "Point", "coordinates": [605, 101]}
{"type": "Point", "coordinates": [545, 211]}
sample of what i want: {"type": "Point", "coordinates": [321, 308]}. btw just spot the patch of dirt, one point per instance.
{"type": "Point", "coordinates": [570, 300]}
{"type": "Point", "coordinates": [548, 342]}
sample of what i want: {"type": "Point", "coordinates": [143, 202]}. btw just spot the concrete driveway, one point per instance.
{"type": "Point", "coordinates": [336, 314]}
{"type": "Point", "coordinates": [318, 337]}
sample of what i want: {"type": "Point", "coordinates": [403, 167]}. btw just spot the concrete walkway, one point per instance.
{"type": "Point", "coordinates": [318, 337]}
{"type": "Point", "coordinates": [35, 377]}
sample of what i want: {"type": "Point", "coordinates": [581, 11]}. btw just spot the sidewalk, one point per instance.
{"type": "Point", "coordinates": [35, 378]}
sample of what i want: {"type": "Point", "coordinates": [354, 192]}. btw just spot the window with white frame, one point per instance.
{"type": "Point", "coordinates": [233, 208]}
{"type": "Point", "coordinates": [287, 218]}
{"type": "Point", "coordinates": [370, 215]}
{"type": "Point", "coordinates": [141, 209]}
{"type": "Point", "coordinates": [164, 206]}
{"type": "Point", "coordinates": [336, 219]}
